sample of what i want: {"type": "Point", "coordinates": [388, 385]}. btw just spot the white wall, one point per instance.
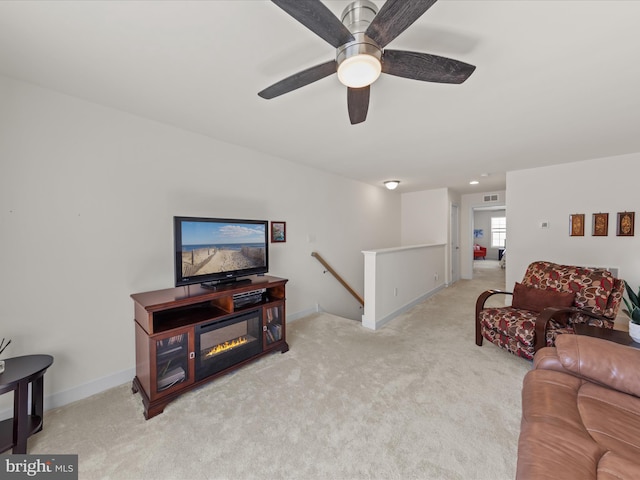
{"type": "Point", "coordinates": [425, 217]}
{"type": "Point", "coordinates": [88, 194]}
{"type": "Point", "coordinates": [551, 194]}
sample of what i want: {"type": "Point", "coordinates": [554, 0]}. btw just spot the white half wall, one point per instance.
{"type": "Point", "coordinates": [398, 278]}
{"type": "Point", "coordinates": [88, 194]}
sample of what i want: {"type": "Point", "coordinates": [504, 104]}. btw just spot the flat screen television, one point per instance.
{"type": "Point", "coordinates": [211, 251]}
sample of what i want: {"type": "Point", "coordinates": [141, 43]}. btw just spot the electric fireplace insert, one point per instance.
{"type": "Point", "coordinates": [222, 344]}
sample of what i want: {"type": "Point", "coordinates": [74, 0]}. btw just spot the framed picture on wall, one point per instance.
{"type": "Point", "coordinates": [600, 224]}
{"type": "Point", "coordinates": [626, 221]}
{"type": "Point", "coordinates": [278, 232]}
{"type": "Point", "coordinates": [576, 225]}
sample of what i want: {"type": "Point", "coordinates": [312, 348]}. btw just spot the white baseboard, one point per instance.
{"type": "Point", "coordinates": [80, 392]}
{"type": "Point", "coordinates": [292, 317]}
{"type": "Point", "coordinates": [383, 321]}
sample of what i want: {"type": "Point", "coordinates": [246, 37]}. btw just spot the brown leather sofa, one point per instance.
{"type": "Point", "coordinates": [581, 412]}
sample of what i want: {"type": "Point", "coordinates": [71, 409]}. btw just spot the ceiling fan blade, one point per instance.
{"type": "Point", "coordinates": [425, 67]}
{"type": "Point", "coordinates": [394, 17]}
{"type": "Point", "coordinates": [314, 15]}
{"type": "Point", "coordinates": [358, 104]}
{"type": "Point", "coordinates": [300, 79]}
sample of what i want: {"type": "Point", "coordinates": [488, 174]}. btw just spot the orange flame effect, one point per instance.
{"type": "Point", "coordinates": [228, 345]}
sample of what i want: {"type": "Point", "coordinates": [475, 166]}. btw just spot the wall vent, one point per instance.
{"type": "Point", "coordinates": [491, 198]}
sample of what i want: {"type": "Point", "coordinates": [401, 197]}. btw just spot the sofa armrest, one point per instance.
{"type": "Point", "coordinates": [560, 315]}
{"type": "Point", "coordinates": [547, 359]}
{"type": "Point", "coordinates": [542, 320]}
{"type": "Point", "coordinates": [484, 296]}
{"type": "Point", "coordinates": [597, 360]}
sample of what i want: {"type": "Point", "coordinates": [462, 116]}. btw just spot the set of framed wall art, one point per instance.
{"type": "Point", "coordinates": [600, 224]}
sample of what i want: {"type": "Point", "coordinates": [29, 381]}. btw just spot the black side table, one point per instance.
{"type": "Point", "coordinates": [18, 374]}
{"type": "Point", "coordinates": [616, 336]}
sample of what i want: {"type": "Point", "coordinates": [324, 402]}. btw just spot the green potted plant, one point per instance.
{"type": "Point", "coordinates": [633, 310]}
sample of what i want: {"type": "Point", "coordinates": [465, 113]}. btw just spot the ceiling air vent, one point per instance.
{"type": "Point", "coordinates": [491, 198]}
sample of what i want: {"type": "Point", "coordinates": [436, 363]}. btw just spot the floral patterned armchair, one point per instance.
{"type": "Point", "coordinates": [549, 301]}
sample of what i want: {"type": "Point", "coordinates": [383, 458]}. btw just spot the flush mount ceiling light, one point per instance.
{"type": "Point", "coordinates": [392, 184]}
{"type": "Point", "coordinates": [474, 182]}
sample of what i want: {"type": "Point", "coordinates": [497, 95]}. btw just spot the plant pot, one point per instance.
{"type": "Point", "coordinates": [634, 331]}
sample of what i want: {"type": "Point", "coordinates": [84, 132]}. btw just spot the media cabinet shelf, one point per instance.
{"type": "Point", "coordinates": [167, 323]}
{"type": "Point", "coordinates": [182, 316]}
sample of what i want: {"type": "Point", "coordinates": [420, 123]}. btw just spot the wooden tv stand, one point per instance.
{"type": "Point", "coordinates": [168, 325]}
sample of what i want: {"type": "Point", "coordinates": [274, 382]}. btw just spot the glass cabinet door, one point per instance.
{"type": "Point", "coordinates": [273, 324]}
{"type": "Point", "coordinates": [172, 360]}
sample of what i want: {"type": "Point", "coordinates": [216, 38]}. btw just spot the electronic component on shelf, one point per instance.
{"type": "Point", "coordinates": [248, 298]}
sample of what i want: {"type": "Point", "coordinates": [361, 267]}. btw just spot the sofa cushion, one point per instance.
{"type": "Point", "coordinates": [610, 364]}
{"type": "Point", "coordinates": [612, 419]}
{"type": "Point", "coordinates": [592, 286]}
{"type": "Point", "coordinates": [508, 343]}
{"type": "Point", "coordinates": [615, 467]}
{"type": "Point", "coordinates": [511, 322]}
{"type": "Point", "coordinates": [575, 429]}
{"type": "Point", "coordinates": [553, 442]}
{"type": "Point", "coordinates": [537, 299]}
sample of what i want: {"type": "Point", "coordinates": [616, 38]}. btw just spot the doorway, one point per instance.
{"type": "Point", "coordinates": [490, 229]}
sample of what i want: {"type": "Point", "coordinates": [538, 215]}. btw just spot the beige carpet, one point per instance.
{"type": "Point", "coordinates": [414, 400]}
{"type": "Point", "coordinates": [483, 264]}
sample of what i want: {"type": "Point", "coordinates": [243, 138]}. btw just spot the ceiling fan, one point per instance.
{"type": "Point", "coordinates": [359, 38]}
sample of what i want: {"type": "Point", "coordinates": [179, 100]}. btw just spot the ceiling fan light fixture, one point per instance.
{"type": "Point", "coordinates": [359, 62]}
{"type": "Point", "coordinates": [359, 71]}
{"type": "Point", "coordinates": [392, 184]}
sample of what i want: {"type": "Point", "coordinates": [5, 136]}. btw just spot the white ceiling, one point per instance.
{"type": "Point", "coordinates": [556, 81]}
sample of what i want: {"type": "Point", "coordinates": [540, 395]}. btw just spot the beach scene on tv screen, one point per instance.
{"type": "Point", "coordinates": [221, 247]}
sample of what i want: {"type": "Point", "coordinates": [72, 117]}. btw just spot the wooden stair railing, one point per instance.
{"type": "Point", "coordinates": [355, 294]}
